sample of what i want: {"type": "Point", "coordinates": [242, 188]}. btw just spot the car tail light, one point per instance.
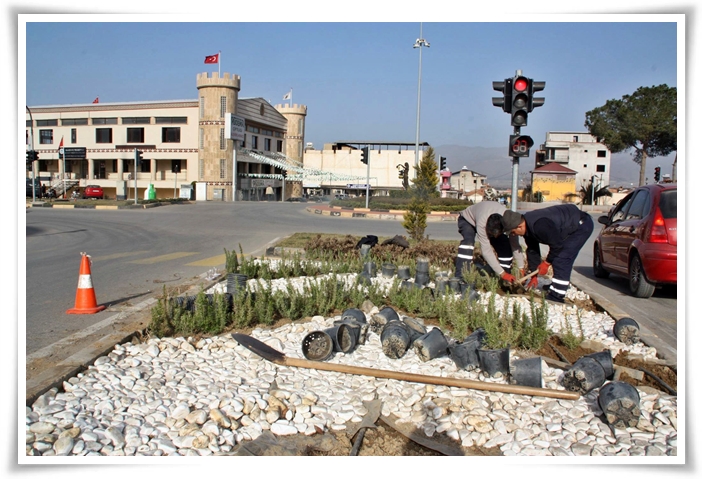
{"type": "Point", "coordinates": [658, 231]}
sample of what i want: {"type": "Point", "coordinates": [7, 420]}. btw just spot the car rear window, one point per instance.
{"type": "Point", "coordinates": [669, 204]}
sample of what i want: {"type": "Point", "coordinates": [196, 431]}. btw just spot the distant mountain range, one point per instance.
{"type": "Point", "coordinates": [497, 166]}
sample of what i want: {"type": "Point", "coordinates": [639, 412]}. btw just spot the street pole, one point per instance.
{"type": "Point", "coordinates": [31, 144]}
{"type": "Point", "coordinates": [175, 185]}
{"type": "Point", "coordinates": [234, 171]}
{"type": "Point", "coordinates": [368, 177]}
{"type": "Point", "coordinates": [515, 175]}
{"type": "Point", "coordinates": [136, 155]}
{"type": "Point", "coordinates": [421, 42]}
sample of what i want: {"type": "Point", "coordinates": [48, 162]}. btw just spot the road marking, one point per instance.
{"type": "Point", "coordinates": [117, 255]}
{"type": "Point", "coordinates": [162, 258]}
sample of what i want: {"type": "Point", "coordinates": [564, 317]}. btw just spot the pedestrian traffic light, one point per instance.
{"type": "Point", "coordinates": [284, 173]}
{"type": "Point", "coordinates": [520, 100]}
{"type": "Point", "coordinates": [506, 88]}
{"type": "Point", "coordinates": [442, 162]}
{"type": "Point", "coordinates": [657, 174]}
{"type": "Point", "coordinates": [535, 86]}
{"type": "Point", "coordinates": [139, 157]}
{"type": "Point", "coordinates": [364, 155]}
{"type": "Point", "coordinates": [519, 146]}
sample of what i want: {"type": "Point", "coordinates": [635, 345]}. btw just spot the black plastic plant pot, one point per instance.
{"type": "Point", "coordinates": [465, 354]}
{"type": "Point", "coordinates": [365, 249]}
{"type": "Point", "coordinates": [605, 360]}
{"type": "Point", "coordinates": [421, 279]}
{"type": "Point", "coordinates": [410, 285]}
{"type": "Point", "coordinates": [619, 402]}
{"type": "Point", "coordinates": [441, 286]}
{"type": "Point", "coordinates": [584, 376]}
{"type": "Point", "coordinates": [317, 346]}
{"type": "Point", "coordinates": [403, 272]}
{"type": "Point", "coordinates": [370, 267]}
{"type": "Point", "coordinates": [388, 270]}
{"type": "Point", "coordinates": [354, 313]}
{"type": "Point", "coordinates": [493, 361]}
{"type": "Point", "coordinates": [455, 284]}
{"type": "Point", "coordinates": [627, 331]}
{"type": "Point", "coordinates": [431, 345]}
{"type": "Point", "coordinates": [526, 372]}
{"type": "Point", "coordinates": [381, 318]}
{"type": "Point", "coordinates": [364, 279]}
{"type": "Point", "coordinates": [416, 328]}
{"type": "Point", "coordinates": [344, 337]}
{"type": "Point", "coordinates": [422, 265]}
{"type": "Point", "coordinates": [395, 339]}
{"type": "Point", "coordinates": [236, 282]}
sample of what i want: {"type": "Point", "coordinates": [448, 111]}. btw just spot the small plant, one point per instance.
{"type": "Point", "coordinates": [569, 339]}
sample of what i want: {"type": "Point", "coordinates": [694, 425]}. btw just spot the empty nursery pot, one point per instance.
{"type": "Point", "coordinates": [605, 360]}
{"type": "Point", "coordinates": [388, 270]}
{"type": "Point", "coordinates": [395, 339]}
{"type": "Point", "coordinates": [354, 313]}
{"type": "Point", "coordinates": [526, 372]}
{"type": "Point", "coordinates": [364, 279]}
{"type": "Point", "coordinates": [403, 272]}
{"type": "Point", "coordinates": [317, 346]}
{"type": "Point", "coordinates": [465, 354]}
{"type": "Point", "coordinates": [619, 402]}
{"type": "Point", "coordinates": [409, 285]}
{"type": "Point", "coordinates": [584, 376]}
{"type": "Point", "coordinates": [381, 318]}
{"type": "Point", "coordinates": [365, 248]}
{"type": "Point", "coordinates": [493, 361]}
{"type": "Point", "coordinates": [441, 286]}
{"type": "Point", "coordinates": [422, 265]}
{"type": "Point", "coordinates": [455, 284]}
{"type": "Point", "coordinates": [416, 327]}
{"type": "Point", "coordinates": [421, 279]}
{"type": "Point", "coordinates": [627, 331]}
{"type": "Point", "coordinates": [431, 345]}
{"type": "Point", "coordinates": [344, 336]}
{"type": "Point", "coordinates": [236, 282]}
{"type": "Point", "coordinates": [370, 267]}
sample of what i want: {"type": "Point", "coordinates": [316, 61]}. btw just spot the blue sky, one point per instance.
{"type": "Point", "coordinates": [360, 80]}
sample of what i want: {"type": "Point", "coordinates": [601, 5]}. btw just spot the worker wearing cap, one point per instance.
{"type": "Point", "coordinates": [564, 229]}
{"type": "Point", "coordinates": [484, 221]}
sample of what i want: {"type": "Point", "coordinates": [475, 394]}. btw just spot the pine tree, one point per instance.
{"type": "Point", "coordinates": [424, 187]}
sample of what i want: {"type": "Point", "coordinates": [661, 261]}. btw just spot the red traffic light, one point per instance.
{"type": "Point", "coordinates": [521, 84]}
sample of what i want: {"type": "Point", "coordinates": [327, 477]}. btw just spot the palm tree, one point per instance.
{"type": "Point", "coordinates": [586, 193]}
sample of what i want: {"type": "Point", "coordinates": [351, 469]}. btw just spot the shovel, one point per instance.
{"type": "Point", "coordinates": [275, 356]}
{"type": "Point", "coordinates": [369, 419]}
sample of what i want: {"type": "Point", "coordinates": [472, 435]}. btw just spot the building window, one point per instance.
{"type": "Point", "coordinates": [279, 146]}
{"type": "Point", "coordinates": [145, 166]}
{"type": "Point", "coordinates": [104, 121]}
{"type": "Point", "coordinates": [202, 107]}
{"type": "Point", "coordinates": [202, 138]}
{"type": "Point", "coordinates": [74, 121]}
{"type": "Point", "coordinates": [201, 168]}
{"type": "Point", "coordinates": [74, 136]}
{"type": "Point", "coordinates": [125, 165]}
{"type": "Point", "coordinates": [170, 135]}
{"type": "Point", "coordinates": [136, 120]}
{"type": "Point", "coordinates": [254, 143]}
{"type": "Point", "coordinates": [29, 124]}
{"type": "Point", "coordinates": [183, 120]}
{"type": "Point", "coordinates": [47, 122]}
{"type": "Point", "coordinates": [600, 168]}
{"type": "Point", "coordinates": [46, 137]}
{"type": "Point", "coordinates": [300, 127]}
{"type": "Point", "coordinates": [601, 153]}
{"type": "Point", "coordinates": [575, 139]}
{"type": "Point", "coordinates": [135, 135]}
{"type": "Point", "coordinates": [267, 144]}
{"type": "Point", "coordinates": [103, 135]}
{"type": "Point", "coordinates": [222, 141]}
{"type": "Point", "coordinates": [222, 106]}
{"type": "Point", "coordinates": [222, 168]}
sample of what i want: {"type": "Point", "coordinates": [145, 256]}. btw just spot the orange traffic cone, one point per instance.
{"type": "Point", "coordinates": [85, 295]}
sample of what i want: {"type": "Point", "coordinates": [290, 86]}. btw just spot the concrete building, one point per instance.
{"type": "Point", "coordinates": [183, 142]}
{"type": "Point", "coordinates": [554, 182]}
{"type": "Point", "coordinates": [467, 185]}
{"type": "Point", "coordinates": [578, 151]}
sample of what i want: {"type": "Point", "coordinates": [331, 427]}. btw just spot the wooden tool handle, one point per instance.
{"type": "Point", "coordinates": [522, 280]}
{"type": "Point", "coordinates": [420, 378]}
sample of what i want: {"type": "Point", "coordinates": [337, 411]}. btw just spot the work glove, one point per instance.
{"type": "Point", "coordinates": [543, 268]}
{"type": "Point", "coordinates": [533, 283]}
{"type": "Point", "coordinates": [508, 277]}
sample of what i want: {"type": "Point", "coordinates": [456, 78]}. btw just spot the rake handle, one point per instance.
{"type": "Point", "coordinates": [420, 378]}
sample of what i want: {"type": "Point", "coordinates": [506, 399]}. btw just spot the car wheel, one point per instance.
{"type": "Point", "coordinates": [597, 268]}
{"type": "Point", "coordinates": [638, 284]}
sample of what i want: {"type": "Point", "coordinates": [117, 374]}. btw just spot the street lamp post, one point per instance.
{"type": "Point", "coordinates": [421, 42]}
{"type": "Point", "coordinates": [31, 141]}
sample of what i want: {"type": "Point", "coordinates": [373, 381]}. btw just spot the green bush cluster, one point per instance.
{"type": "Point", "coordinates": [324, 292]}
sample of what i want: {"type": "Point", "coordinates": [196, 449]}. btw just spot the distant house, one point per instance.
{"type": "Point", "coordinates": [468, 184]}
{"type": "Point", "coordinates": [554, 181]}
{"type": "Point", "coordinates": [578, 151]}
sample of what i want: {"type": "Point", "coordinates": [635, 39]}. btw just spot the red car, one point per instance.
{"type": "Point", "coordinates": [93, 191]}
{"type": "Point", "coordinates": [639, 239]}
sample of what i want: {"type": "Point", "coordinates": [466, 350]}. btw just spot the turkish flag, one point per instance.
{"type": "Point", "coordinates": [212, 58]}
{"type": "Point", "coordinates": [96, 100]}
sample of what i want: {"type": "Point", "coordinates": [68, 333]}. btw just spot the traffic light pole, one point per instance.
{"type": "Point", "coordinates": [515, 176]}
{"type": "Point", "coordinates": [136, 193]}
{"type": "Point", "coordinates": [368, 178]}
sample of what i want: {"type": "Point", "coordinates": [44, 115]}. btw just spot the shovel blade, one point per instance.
{"type": "Point", "coordinates": [260, 348]}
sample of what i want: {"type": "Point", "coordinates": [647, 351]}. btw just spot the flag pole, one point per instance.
{"type": "Point", "coordinates": [290, 96]}
{"type": "Point", "coordinates": [219, 64]}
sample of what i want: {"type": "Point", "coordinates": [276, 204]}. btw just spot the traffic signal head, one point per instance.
{"type": "Point", "coordinates": [657, 173]}
{"type": "Point", "coordinates": [519, 146]}
{"type": "Point", "coordinates": [520, 100]}
{"type": "Point", "coordinates": [505, 102]}
{"type": "Point", "coordinates": [139, 157]}
{"type": "Point", "coordinates": [364, 155]}
{"type": "Point", "coordinates": [535, 86]}
{"type": "Point", "coordinates": [442, 161]}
